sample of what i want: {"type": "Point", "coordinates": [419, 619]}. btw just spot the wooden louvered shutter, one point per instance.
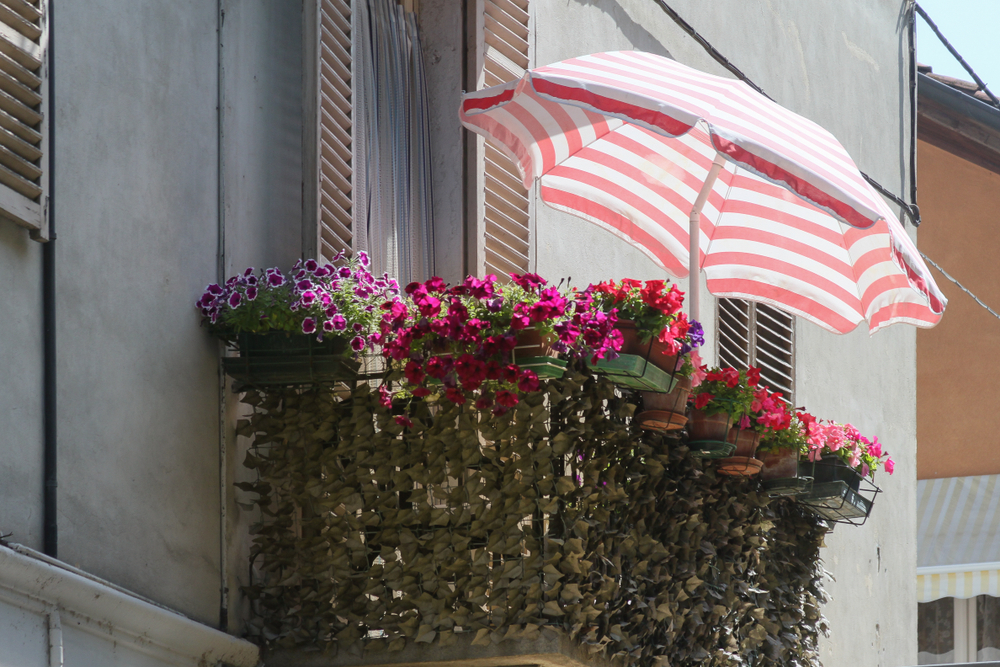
{"type": "Point", "coordinates": [755, 334]}
{"type": "Point", "coordinates": [506, 207]}
{"type": "Point", "coordinates": [329, 133]}
{"type": "Point", "coordinates": [23, 113]}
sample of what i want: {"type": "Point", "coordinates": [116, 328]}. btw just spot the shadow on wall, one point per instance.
{"type": "Point", "coordinates": [642, 39]}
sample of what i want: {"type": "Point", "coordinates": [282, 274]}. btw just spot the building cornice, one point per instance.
{"type": "Point", "coordinates": [42, 585]}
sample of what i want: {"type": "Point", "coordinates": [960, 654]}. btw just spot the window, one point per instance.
{"type": "Point", "coordinates": [504, 54]}
{"type": "Point", "coordinates": [755, 334]}
{"type": "Point", "coordinates": [23, 114]}
{"type": "Point", "coordinates": [954, 630]}
{"type": "Point", "coordinates": [366, 136]}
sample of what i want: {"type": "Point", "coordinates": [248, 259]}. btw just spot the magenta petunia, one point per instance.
{"type": "Point", "coordinates": [339, 323]}
{"type": "Point", "coordinates": [311, 265]}
{"type": "Point", "coordinates": [275, 279]}
{"type": "Point", "coordinates": [357, 343]}
{"type": "Point", "coordinates": [234, 299]}
{"type": "Point", "coordinates": [251, 293]}
{"type": "Point", "coordinates": [308, 325]}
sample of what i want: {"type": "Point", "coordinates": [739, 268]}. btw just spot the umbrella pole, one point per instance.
{"type": "Point", "coordinates": [694, 236]}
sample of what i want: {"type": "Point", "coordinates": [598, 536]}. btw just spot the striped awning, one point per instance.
{"type": "Point", "coordinates": [626, 140]}
{"type": "Point", "coordinates": [958, 537]}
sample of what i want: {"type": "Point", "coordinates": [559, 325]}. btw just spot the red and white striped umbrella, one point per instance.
{"type": "Point", "coordinates": [628, 140]}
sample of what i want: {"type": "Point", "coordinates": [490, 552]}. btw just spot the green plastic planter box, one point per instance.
{"type": "Point", "coordinates": [630, 370]}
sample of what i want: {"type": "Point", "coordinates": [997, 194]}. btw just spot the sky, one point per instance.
{"type": "Point", "coordinates": [972, 27]}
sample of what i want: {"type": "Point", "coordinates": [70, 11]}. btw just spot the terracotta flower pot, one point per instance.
{"type": "Point", "coordinates": [531, 343]}
{"type": "Point", "coordinates": [665, 412]}
{"type": "Point", "coordinates": [674, 401]}
{"type": "Point", "coordinates": [742, 461]}
{"type": "Point", "coordinates": [746, 441]}
{"type": "Point", "coordinates": [779, 464]}
{"type": "Point", "coordinates": [710, 427]}
{"type": "Point", "coordinates": [742, 466]}
{"type": "Point", "coordinates": [653, 350]}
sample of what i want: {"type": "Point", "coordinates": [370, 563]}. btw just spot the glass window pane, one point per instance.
{"type": "Point", "coordinates": [987, 628]}
{"type": "Point", "coordinates": [936, 631]}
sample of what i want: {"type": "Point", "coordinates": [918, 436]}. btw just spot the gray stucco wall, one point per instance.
{"type": "Point", "coordinates": [136, 205]}
{"type": "Point", "coordinates": [137, 216]}
{"type": "Point", "coordinates": [21, 398]}
{"type": "Point", "coordinates": [842, 65]}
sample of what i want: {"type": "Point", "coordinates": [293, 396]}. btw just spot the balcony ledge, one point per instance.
{"type": "Point", "coordinates": [552, 649]}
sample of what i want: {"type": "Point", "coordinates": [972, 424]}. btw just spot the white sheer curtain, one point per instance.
{"type": "Point", "coordinates": [395, 219]}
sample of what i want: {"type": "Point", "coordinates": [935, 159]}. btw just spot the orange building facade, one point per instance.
{"type": "Point", "coordinates": [958, 377]}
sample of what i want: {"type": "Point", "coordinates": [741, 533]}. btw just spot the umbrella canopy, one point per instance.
{"type": "Point", "coordinates": [628, 140]}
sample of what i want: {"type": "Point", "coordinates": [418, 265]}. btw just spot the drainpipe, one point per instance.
{"type": "Point", "coordinates": [50, 532]}
{"type": "Point", "coordinates": [221, 276]}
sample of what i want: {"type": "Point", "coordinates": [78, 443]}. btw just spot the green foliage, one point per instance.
{"type": "Point", "coordinates": [557, 515]}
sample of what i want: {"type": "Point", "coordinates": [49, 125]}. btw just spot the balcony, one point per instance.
{"type": "Point", "coordinates": [556, 533]}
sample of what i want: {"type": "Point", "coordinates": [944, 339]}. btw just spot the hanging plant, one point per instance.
{"type": "Point", "coordinates": [462, 341]}
{"type": "Point", "coordinates": [340, 300]}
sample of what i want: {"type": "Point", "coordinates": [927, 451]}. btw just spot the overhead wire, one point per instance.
{"type": "Point", "coordinates": [960, 285]}
{"type": "Point", "coordinates": [958, 56]}
{"type": "Point", "coordinates": [910, 210]}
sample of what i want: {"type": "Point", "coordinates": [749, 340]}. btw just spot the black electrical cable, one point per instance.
{"type": "Point", "coordinates": [911, 211]}
{"type": "Point", "coordinates": [958, 56]}
{"type": "Point", "coordinates": [50, 525]}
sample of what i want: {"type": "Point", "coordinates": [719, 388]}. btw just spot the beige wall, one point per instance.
{"type": "Point", "coordinates": [958, 388]}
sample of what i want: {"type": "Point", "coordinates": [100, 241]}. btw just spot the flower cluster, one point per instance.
{"type": "Point", "coordinates": [727, 390]}
{"type": "Point", "coordinates": [845, 442]}
{"type": "Point", "coordinates": [740, 394]}
{"type": "Point", "coordinates": [654, 307]}
{"type": "Point", "coordinates": [467, 337]}
{"type": "Point", "coordinates": [463, 337]}
{"type": "Point", "coordinates": [753, 406]}
{"type": "Point", "coordinates": [341, 298]}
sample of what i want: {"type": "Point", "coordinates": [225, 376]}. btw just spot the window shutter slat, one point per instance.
{"type": "Point", "coordinates": [19, 165]}
{"type": "Point", "coordinates": [29, 29]}
{"type": "Point", "coordinates": [23, 114]}
{"type": "Point", "coordinates": [335, 136]}
{"type": "Point", "coordinates": [505, 43]}
{"type": "Point", "coordinates": [28, 10]}
{"type": "Point", "coordinates": [19, 72]}
{"type": "Point", "coordinates": [18, 146]}
{"type": "Point", "coordinates": [20, 47]}
{"type": "Point", "coordinates": [19, 183]}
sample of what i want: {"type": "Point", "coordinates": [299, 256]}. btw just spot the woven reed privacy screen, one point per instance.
{"type": "Point", "coordinates": [558, 517]}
